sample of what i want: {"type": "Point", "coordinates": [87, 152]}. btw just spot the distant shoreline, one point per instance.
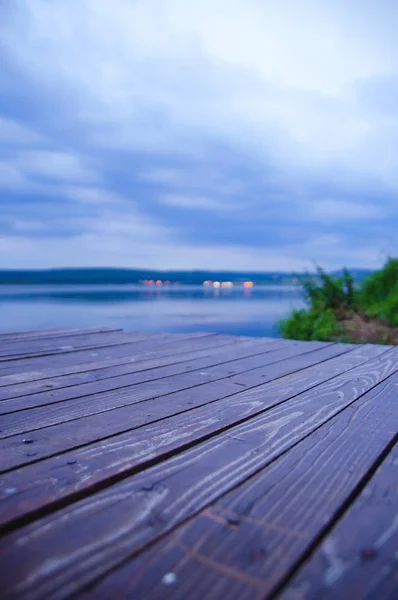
{"type": "Point", "coordinates": [115, 276]}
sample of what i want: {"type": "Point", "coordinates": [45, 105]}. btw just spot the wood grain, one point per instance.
{"type": "Point", "coordinates": [35, 349]}
{"type": "Point", "coordinates": [358, 558]}
{"type": "Point", "coordinates": [60, 412]}
{"type": "Point", "coordinates": [24, 381]}
{"type": "Point", "coordinates": [259, 532]}
{"type": "Point", "coordinates": [129, 374]}
{"type": "Point", "coordinates": [44, 482]}
{"type": "Point", "coordinates": [59, 554]}
{"type": "Point", "coordinates": [142, 343]}
{"type": "Point", "coordinates": [50, 333]}
{"type": "Point", "coordinates": [38, 347]}
{"type": "Point", "coordinates": [62, 437]}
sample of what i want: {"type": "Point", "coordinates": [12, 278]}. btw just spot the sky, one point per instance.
{"type": "Point", "coordinates": [209, 134]}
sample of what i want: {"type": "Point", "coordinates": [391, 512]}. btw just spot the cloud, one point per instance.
{"type": "Point", "coordinates": [334, 209]}
{"type": "Point", "coordinates": [14, 134]}
{"type": "Point", "coordinates": [197, 202]}
{"type": "Point", "coordinates": [252, 133]}
{"type": "Point", "coordinates": [53, 165]}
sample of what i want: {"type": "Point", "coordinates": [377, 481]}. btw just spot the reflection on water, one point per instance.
{"type": "Point", "coordinates": [235, 310]}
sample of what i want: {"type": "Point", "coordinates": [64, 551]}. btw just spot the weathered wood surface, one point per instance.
{"type": "Point", "coordinates": [118, 377]}
{"type": "Point", "coordinates": [60, 412]}
{"type": "Point", "coordinates": [41, 347]}
{"type": "Point", "coordinates": [358, 558]}
{"type": "Point", "coordinates": [251, 538]}
{"type": "Point", "coordinates": [35, 349]}
{"type": "Point", "coordinates": [197, 466]}
{"type": "Point", "coordinates": [66, 435]}
{"type": "Point", "coordinates": [51, 333]}
{"type": "Point", "coordinates": [39, 485]}
{"type": "Point", "coordinates": [138, 343]}
{"type": "Point", "coordinates": [26, 380]}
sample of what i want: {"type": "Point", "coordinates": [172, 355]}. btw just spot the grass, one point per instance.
{"type": "Point", "coordinates": [338, 310]}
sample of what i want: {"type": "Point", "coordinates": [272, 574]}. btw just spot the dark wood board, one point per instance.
{"type": "Point", "coordinates": [62, 437]}
{"type": "Point", "coordinates": [37, 486]}
{"type": "Point", "coordinates": [76, 345]}
{"type": "Point", "coordinates": [358, 557]}
{"type": "Point", "coordinates": [60, 412]}
{"type": "Point", "coordinates": [132, 373]}
{"type": "Point", "coordinates": [50, 333]}
{"type": "Point", "coordinates": [258, 533]}
{"type": "Point", "coordinates": [16, 348]}
{"type": "Point", "coordinates": [142, 343]}
{"type": "Point", "coordinates": [98, 533]}
{"type": "Point", "coordinates": [23, 380]}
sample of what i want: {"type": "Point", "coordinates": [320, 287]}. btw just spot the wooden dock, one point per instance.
{"type": "Point", "coordinates": [196, 466]}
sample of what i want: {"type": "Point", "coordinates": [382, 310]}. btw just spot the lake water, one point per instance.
{"type": "Point", "coordinates": [235, 311]}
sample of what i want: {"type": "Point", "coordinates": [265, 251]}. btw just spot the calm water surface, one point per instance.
{"type": "Point", "coordinates": [176, 309]}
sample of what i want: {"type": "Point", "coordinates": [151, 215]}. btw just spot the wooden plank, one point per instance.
{"type": "Point", "coordinates": [14, 350]}
{"type": "Point", "coordinates": [22, 346]}
{"type": "Point", "coordinates": [98, 533]}
{"type": "Point", "coordinates": [134, 375]}
{"type": "Point", "coordinates": [146, 342]}
{"type": "Point", "coordinates": [174, 356]}
{"type": "Point", "coordinates": [258, 533]}
{"type": "Point", "coordinates": [185, 344]}
{"type": "Point", "coordinates": [62, 437]}
{"type": "Point", "coordinates": [358, 557]}
{"type": "Point", "coordinates": [67, 345]}
{"type": "Point", "coordinates": [60, 412]}
{"type": "Point", "coordinates": [37, 486]}
{"type": "Point", "coordinates": [49, 333]}
{"type": "Point", "coordinates": [18, 364]}
{"type": "Point", "coordinates": [59, 345]}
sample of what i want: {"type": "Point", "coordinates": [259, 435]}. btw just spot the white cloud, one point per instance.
{"type": "Point", "coordinates": [13, 133]}
{"type": "Point", "coordinates": [129, 243]}
{"type": "Point", "coordinates": [277, 79]}
{"type": "Point", "coordinates": [11, 177]}
{"type": "Point", "coordinates": [54, 165]}
{"type": "Point", "coordinates": [91, 195]}
{"type": "Point", "coordinates": [197, 202]}
{"type": "Point", "coordinates": [286, 85]}
{"type": "Point", "coordinates": [342, 210]}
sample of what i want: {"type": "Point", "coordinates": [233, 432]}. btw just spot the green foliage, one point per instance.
{"type": "Point", "coordinates": [327, 292]}
{"type": "Point", "coordinates": [387, 310]}
{"type": "Point", "coordinates": [310, 325]}
{"type": "Point", "coordinates": [331, 299]}
{"type": "Point", "coordinates": [379, 294]}
{"type": "Point", "coordinates": [381, 284]}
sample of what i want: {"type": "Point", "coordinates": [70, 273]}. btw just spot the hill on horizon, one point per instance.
{"type": "Point", "coordinates": [101, 276]}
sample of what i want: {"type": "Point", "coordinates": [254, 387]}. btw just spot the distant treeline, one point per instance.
{"type": "Point", "coordinates": [114, 276]}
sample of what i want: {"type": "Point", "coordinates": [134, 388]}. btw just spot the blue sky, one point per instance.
{"type": "Point", "coordinates": [204, 134]}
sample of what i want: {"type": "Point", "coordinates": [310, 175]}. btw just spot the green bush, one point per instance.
{"type": "Point", "coordinates": [327, 292]}
{"type": "Point", "coordinates": [387, 310]}
{"type": "Point", "coordinates": [310, 325]}
{"type": "Point", "coordinates": [379, 294]}
{"type": "Point", "coordinates": [381, 284]}
{"type": "Point", "coordinates": [330, 300]}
